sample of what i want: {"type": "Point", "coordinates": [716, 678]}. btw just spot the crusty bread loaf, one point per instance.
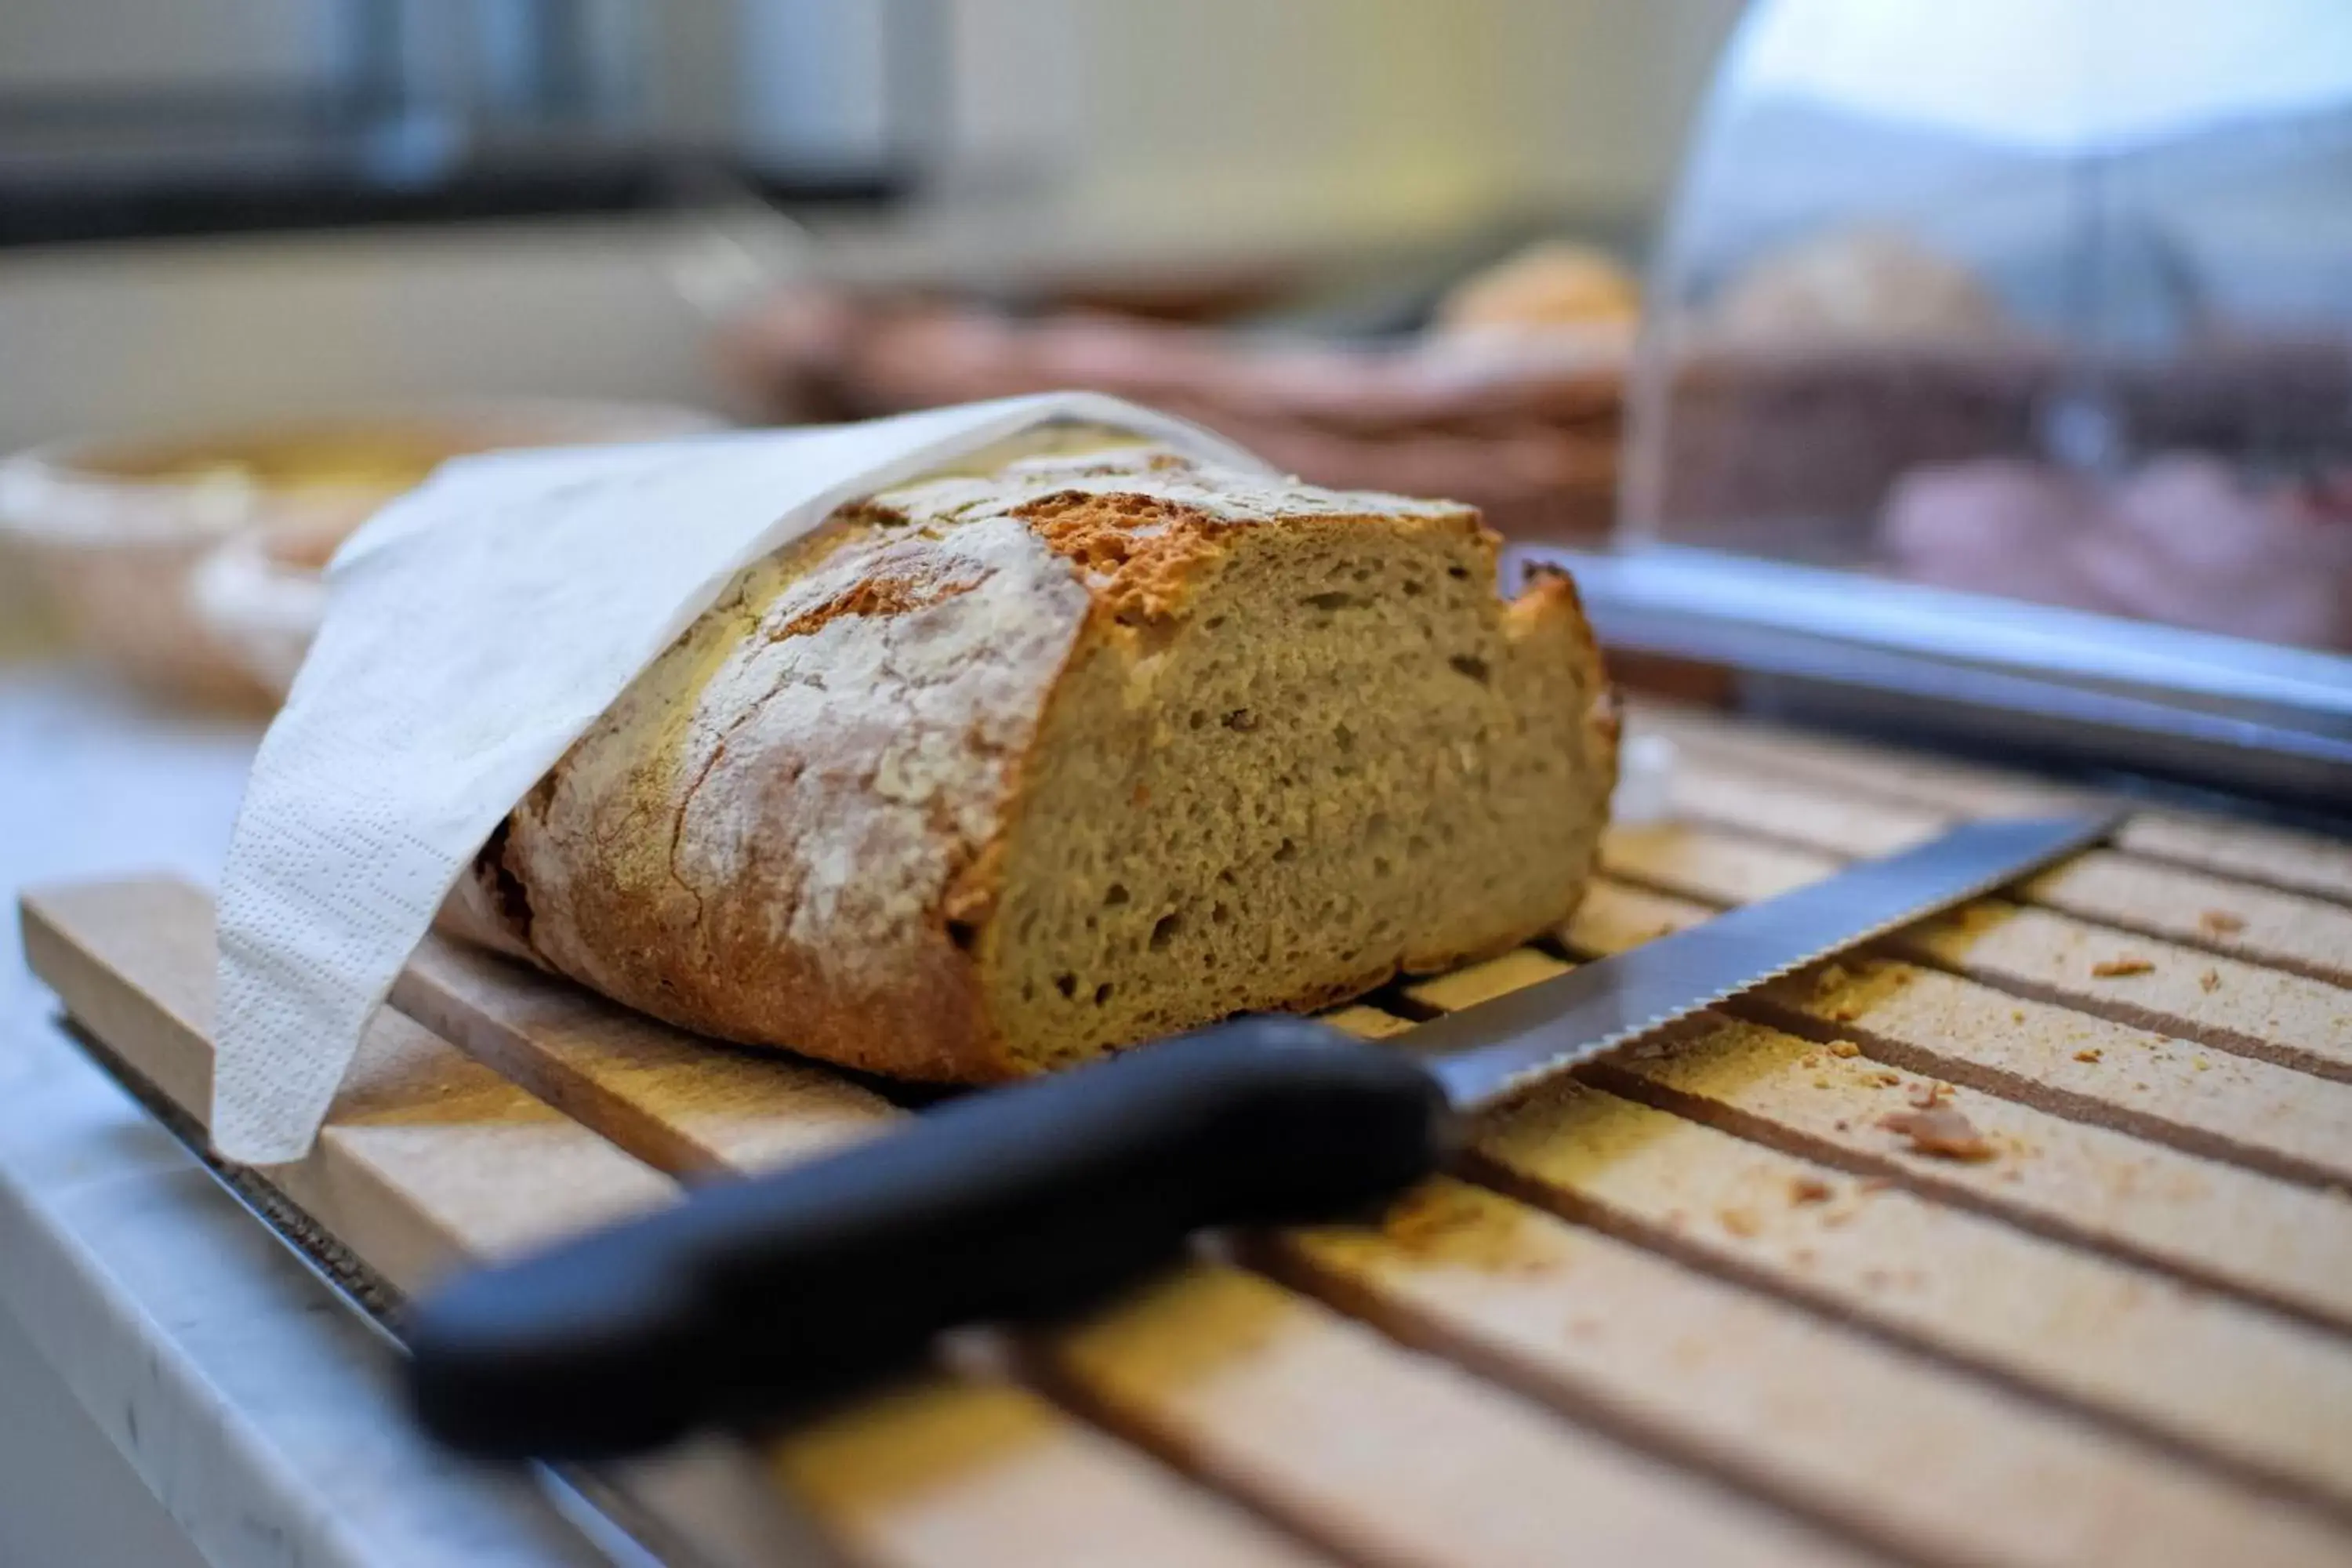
{"type": "Point", "coordinates": [1004, 768]}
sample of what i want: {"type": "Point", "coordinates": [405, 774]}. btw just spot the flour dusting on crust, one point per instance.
{"type": "Point", "coordinates": [789, 828]}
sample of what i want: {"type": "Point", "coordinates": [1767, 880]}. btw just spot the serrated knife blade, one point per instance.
{"type": "Point", "coordinates": [1488, 1052]}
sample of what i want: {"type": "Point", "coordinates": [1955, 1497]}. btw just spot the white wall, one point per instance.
{"type": "Point", "coordinates": [1434, 108]}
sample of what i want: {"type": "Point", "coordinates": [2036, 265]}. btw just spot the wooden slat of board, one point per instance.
{"type": "Point", "coordinates": [692, 1107]}
{"type": "Point", "coordinates": [2261, 1390]}
{"type": "Point", "coordinates": [1805, 815]}
{"type": "Point", "coordinates": [1476, 981]}
{"type": "Point", "coordinates": [1393, 1457]}
{"type": "Point", "coordinates": [2231, 1005]}
{"type": "Point", "coordinates": [432, 1158]}
{"type": "Point", "coordinates": [79, 939]}
{"type": "Point", "coordinates": [1344, 1465]}
{"type": "Point", "coordinates": [1897, 777]}
{"type": "Point", "coordinates": [1708, 863]}
{"type": "Point", "coordinates": [410, 1179]}
{"type": "Point", "coordinates": [2255, 1235]}
{"type": "Point", "coordinates": [2225, 1002]}
{"type": "Point", "coordinates": [1617, 915]}
{"type": "Point", "coordinates": [2284, 1019]}
{"type": "Point", "coordinates": [2252, 1235]}
{"type": "Point", "coordinates": [2298, 862]}
{"type": "Point", "coordinates": [1935, 1466]}
{"type": "Point", "coordinates": [2289, 930]}
{"type": "Point", "coordinates": [2281, 857]}
{"type": "Point", "coordinates": [2303, 934]}
{"type": "Point", "coordinates": [2154, 1086]}
{"type": "Point", "coordinates": [941, 1471]}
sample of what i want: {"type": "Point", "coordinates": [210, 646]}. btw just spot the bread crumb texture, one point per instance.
{"type": "Point", "coordinates": [1002, 769]}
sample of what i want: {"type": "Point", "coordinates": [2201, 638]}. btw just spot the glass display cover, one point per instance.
{"type": "Point", "coordinates": [2047, 300]}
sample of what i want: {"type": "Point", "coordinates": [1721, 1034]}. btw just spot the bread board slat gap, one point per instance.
{"type": "Point", "coordinates": [1885, 775]}
{"type": "Point", "coordinates": [1552, 944]}
{"type": "Point", "coordinates": [1396, 997]}
{"type": "Point", "coordinates": [1954, 804]}
{"type": "Point", "coordinates": [1419, 1331]}
{"type": "Point", "coordinates": [2172, 1024]}
{"type": "Point", "coordinates": [2120, 1010]}
{"type": "Point", "coordinates": [142, 951]}
{"type": "Point", "coordinates": [1493, 1174]}
{"type": "Point", "coordinates": [604, 1056]}
{"type": "Point", "coordinates": [1033, 1367]}
{"type": "Point", "coordinates": [2263, 1240]}
{"type": "Point", "coordinates": [1500, 1282]}
{"type": "Point", "coordinates": [1665, 887]}
{"type": "Point", "coordinates": [2150, 900]}
{"type": "Point", "coordinates": [2063, 890]}
{"type": "Point", "coordinates": [1789, 834]}
{"type": "Point", "coordinates": [1916, 1179]}
{"type": "Point", "coordinates": [542, 1032]}
{"type": "Point", "coordinates": [2142, 1504]}
{"type": "Point", "coordinates": [2075, 1107]}
{"type": "Point", "coordinates": [1720, 1521]}
{"type": "Point", "coordinates": [2311, 886]}
{"type": "Point", "coordinates": [2340, 897]}
{"type": "Point", "coordinates": [1777, 836]}
{"type": "Point", "coordinates": [2263, 854]}
{"type": "Point", "coordinates": [2145, 836]}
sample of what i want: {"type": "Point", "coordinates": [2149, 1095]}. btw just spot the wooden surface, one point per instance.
{"type": "Point", "coordinates": [427, 1160]}
{"type": "Point", "coordinates": [1700, 1305]}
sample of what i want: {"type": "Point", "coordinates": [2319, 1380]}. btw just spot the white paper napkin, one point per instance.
{"type": "Point", "coordinates": [476, 628]}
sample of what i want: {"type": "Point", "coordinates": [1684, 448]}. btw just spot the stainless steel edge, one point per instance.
{"type": "Point", "coordinates": [2247, 717]}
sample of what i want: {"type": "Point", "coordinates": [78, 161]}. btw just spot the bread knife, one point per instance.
{"type": "Point", "coordinates": [1022, 1203]}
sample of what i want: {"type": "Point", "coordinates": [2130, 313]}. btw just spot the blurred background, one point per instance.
{"type": "Point", "coordinates": [1985, 376]}
{"type": "Point", "coordinates": [251, 205]}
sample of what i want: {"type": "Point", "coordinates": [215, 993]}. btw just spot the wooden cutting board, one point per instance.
{"type": "Point", "coordinates": [1701, 1304]}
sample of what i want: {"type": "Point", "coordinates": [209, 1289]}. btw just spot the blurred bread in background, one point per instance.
{"type": "Point", "coordinates": [113, 533]}
{"type": "Point", "coordinates": [1865, 285]}
{"type": "Point", "coordinates": [1511, 399]}
{"type": "Point", "coordinates": [1557, 283]}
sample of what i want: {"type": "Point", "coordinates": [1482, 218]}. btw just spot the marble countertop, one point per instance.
{"type": "Point", "coordinates": [258, 1412]}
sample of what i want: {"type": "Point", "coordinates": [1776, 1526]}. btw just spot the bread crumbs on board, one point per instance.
{"type": "Point", "coordinates": [1940, 1130]}
{"type": "Point", "coordinates": [2088, 1054]}
{"type": "Point", "coordinates": [2113, 968]}
{"type": "Point", "coordinates": [1469, 1228]}
{"type": "Point", "coordinates": [2210, 981]}
{"type": "Point", "coordinates": [2222, 922]}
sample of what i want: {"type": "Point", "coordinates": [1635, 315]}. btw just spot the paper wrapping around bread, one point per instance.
{"type": "Point", "coordinates": [998, 769]}
{"type": "Point", "coordinates": [476, 628]}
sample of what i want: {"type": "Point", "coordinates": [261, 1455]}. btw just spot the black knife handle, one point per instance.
{"type": "Point", "coordinates": [1013, 1204]}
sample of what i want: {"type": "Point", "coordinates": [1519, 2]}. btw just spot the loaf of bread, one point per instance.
{"type": "Point", "coordinates": [1065, 751]}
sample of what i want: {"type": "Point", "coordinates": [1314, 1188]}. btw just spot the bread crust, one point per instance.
{"type": "Point", "coordinates": [791, 829]}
